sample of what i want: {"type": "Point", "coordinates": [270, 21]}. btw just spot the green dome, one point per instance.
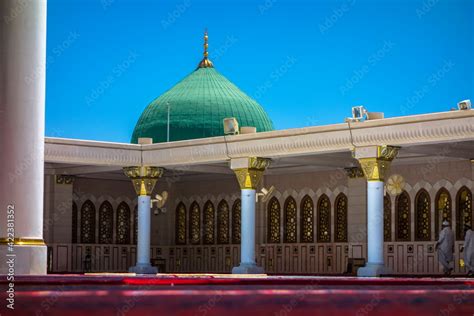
{"type": "Point", "coordinates": [198, 104]}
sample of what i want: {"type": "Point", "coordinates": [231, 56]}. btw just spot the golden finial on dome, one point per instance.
{"type": "Point", "coordinates": [205, 62]}
{"type": "Point", "coordinates": [206, 53]}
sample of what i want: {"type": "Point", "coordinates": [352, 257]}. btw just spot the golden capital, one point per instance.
{"type": "Point", "coordinates": [64, 179]}
{"type": "Point", "coordinates": [375, 161]}
{"type": "Point", "coordinates": [249, 171]}
{"type": "Point", "coordinates": [143, 178]}
{"type": "Point", "coordinates": [387, 152]}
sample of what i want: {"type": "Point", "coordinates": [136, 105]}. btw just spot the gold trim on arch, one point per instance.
{"type": "Point", "coordinates": [23, 242]}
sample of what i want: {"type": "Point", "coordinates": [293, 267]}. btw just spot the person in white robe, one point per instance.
{"type": "Point", "coordinates": [468, 250]}
{"type": "Point", "coordinates": [445, 248]}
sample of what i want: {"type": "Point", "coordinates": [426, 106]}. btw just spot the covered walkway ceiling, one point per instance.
{"type": "Point", "coordinates": [444, 136]}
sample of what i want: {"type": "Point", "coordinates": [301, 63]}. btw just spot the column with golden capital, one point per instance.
{"type": "Point", "coordinates": [144, 179]}
{"type": "Point", "coordinates": [249, 172]}
{"type": "Point", "coordinates": [375, 162]}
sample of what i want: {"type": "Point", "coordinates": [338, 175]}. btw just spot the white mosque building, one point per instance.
{"type": "Point", "coordinates": [370, 192]}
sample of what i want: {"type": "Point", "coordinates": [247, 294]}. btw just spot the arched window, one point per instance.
{"type": "Point", "coordinates": [180, 228]}
{"type": "Point", "coordinates": [106, 225]}
{"type": "Point", "coordinates": [123, 224]}
{"type": "Point", "coordinates": [340, 218]}
{"type": "Point", "coordinates": [307, 220]}
{"type": "Point", "coordinates": [402, 205]}
{"type": "Point", "coordinates": [290, 219]}
{"type": "Point", "coordinates": [422, 216]}
{"type": "Point", "coordinates": [209, 223]}
{"type": "Point", "coordinates": [236, 221]}
{"type": "Point", "coordinates": [135, 224]}
{"type": "Point", "coordinates": [74, 223]}
{"type": "Point", "coordinates": [463, 211]}
{"type": "Point", "coordinates": [223, 223]}
{"type": "Point", "coordinates": [324, 219]}
{"type": "Point", "coordinates": [273, 221]}
{"type": "Point", "coordinates": [194, 224]}
{"type": "Point", "coordinates": [88, 223]}
{"type": "Point", "coordinates": [443, 210]}
{"type": "Point", "coordinates": [387, 218]}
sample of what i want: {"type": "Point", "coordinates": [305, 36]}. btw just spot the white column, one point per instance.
{"type": "Point", "coordinates": [143, 243]}
{"type": "Point", "coordinates": [375, 162]}
{"type": "Point", "coordinates": [375, 222]}
{"type": "Point", "coordinates": [247, 248]}
{"type": "Point", "coordinates": [249, 171]}
{"type": "Point", "coordinates": [143, 265]}
{"type": "Point", "coordinates": [247, 235]}
{"type": "Point", "coordinates": [144, 179]}
{"type": "Point", "coordinates": [22, 97]}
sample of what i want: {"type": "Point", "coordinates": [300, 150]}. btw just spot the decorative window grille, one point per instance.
{"type": "Point", "coordinates": [290, 219]}
{"type": "Point", "coordinates": [403, 217]}
{"type": "Point", "coordinates": [88, 222]}
{"type": "Point", "coordinates": [340, 218]}
{"type": "Point", "coordinates": [223, 223]}
{"type": "Point", "coordinates": [273, 221]}
{"type": "Point", "coordinates": [180, 229]}
{"type": "Point", "coordinates": [194, 224]}
{"type": "Point", "coordinates": [324, 219]}
{"type": "Point", "coordinates": [307, 220]}
{"type": "Point", "coordinates": [123, 224]}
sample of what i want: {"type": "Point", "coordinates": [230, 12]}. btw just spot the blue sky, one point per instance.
{"type": "Point", "coordinates": [306, 62]}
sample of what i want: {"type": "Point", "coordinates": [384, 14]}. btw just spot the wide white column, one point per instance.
{"type": "Point", "coordinates": [375, 163]}
{"type": "Point", "coordinates": [144, 180]}
{"type": "Point", "coordinates": [249, 172]}
{"type": "Point", "coordinates": [247, 235]}
{"type": "Point", "coordinates": [22, 98]}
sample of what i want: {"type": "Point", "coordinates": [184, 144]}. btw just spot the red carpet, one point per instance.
{"type": "Point", "coordinates": [225, 295]}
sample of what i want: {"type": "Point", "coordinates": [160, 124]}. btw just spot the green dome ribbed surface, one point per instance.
{"type": "Point", "coordinates": [198, 104]}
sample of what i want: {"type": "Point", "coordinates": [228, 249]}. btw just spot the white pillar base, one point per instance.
{"type": "Point", "coordinates": [27, 260]}
{"type": "Point", "coordinates": [143, 268]}
{"type": "Point", "coordinates": [373, 270]}
{"type": "Point", "coordinates": [248, 268]}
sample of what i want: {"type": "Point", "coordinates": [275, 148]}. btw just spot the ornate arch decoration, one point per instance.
{"type": "Point", "coordinates": [290, 221]}
{"type": "Point", "coordinates": [443, 209]}
{"type": "Point", "coordinates": [324, 219]}
{"type": "Point", "coordinates": [387, 218]}
{"type": "Point", "coordinates": [209, 223]}
{"type": "Point", "coordinates": [123, 225]}
{"type": "Point", "coordinates": [88, 223]}
{"type": "Point", "coordinates": [340, 218]}
{"type": "Point", "coordinates": [307, 220]}
{"type": "Point", "coordinates": [402, 211]}
{"type": "Point", "coordinates": [273, 218]}
{"type": "Point", "coordinates": [106, 224]}
{"type": "Point", "coordinates": [195, 224]}
{"type": "Point", "coordinates": [236, 221]}
{"type": "Point", "coordinates": [180, 224]}
{"type": "Point", "coordinates": [223, 222]}
{"type": "Point", "coordinates": [422, 216]}
{"type": "Point", "coordinates": [463, 211]}
{"type": "Point", "coordinates": [74, 223]}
